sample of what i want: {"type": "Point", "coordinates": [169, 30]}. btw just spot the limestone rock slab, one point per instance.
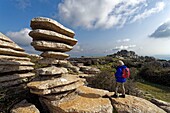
{"type": "Point", "coordinates": [5, 38]}
{"type": "Point", "coordinates": [50, 24]}
{"type": "Point", "coordinates": [24, 107]}
{"type": "Point", "coordinates": [46, 84]}
{"type": "Point", "coordinates": [53, 46]}
{"type": "Point", "coordinates": [8, 51]}
{"type": "Point", "coordinates": [80, 104]}
{"type": "Point", "coordinates": [88, 91]}
{"type": "Point", "coordinates": [15, 62]}
{"type": "Point", "coordinates": [13, 82]}
{"type": "Point", "coordinates": [40, 34]}
{"type": "Point", "coordinates": [11, 45]}
{"type": "Point", "coordinates": [53, 70]}
{"type": "Point", "coordinates": [56, 55]}
{"type": "Point", "coordinates": [8, 68]}
{"type": "Point", "coordinates": [6, 57]}
{"type": "Point", "coordinates": [15, 76]}
{"type": "Point", "coordinates": [60, 89]}
{"type": "Point", "coordinates": [132, 104]}
{"type": "Point", "coordinates": [52, 61]}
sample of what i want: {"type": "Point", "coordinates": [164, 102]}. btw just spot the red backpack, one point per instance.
{"type": "Point", "coordinates": [126, 73]}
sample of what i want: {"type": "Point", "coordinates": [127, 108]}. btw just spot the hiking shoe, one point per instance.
{"type": "Point", "coordinates": [114, 96]}
{"type": "Point", "coordinates": [123, 96]}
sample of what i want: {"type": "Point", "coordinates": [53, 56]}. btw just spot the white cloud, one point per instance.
{"type": "Point", "coordinates": [21, 37]}
{"type": "Point", "coordinates": [124, 47]}
{"type": "Point", "coordinates": [123, 40]}
{"type": "Point", "coordinates": [158, 7]}
{"type": "Point", "coordinates": [163, 31]}
{"type": "Point", "coordinates": [77, 48]}
{"type": "Point", "coordinates": [104, 13]}
{"type": "Point", "coordinates": [23, 3]}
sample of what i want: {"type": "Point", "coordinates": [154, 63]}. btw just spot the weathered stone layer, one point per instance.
{"type": "Point", "coordinates": [15, 62]}
{"type": "Point", "coordinates": [8, 68]}
{"type": "Point", "coordinates": [60, 89]}
{"type": "Point", "coordinates": [56, 55]}
{"type": "Point", "coordinates": [51, 46]}
{"type": "Point", "coordinates": [40, 34]}
{"type": "Point", "coordinates": [49, 24]}
{"type": "Point", "coordinates": [53, 70]}
{"type": "Point", "coordinates": [46, 84]}
{"type": "Point", "coordinates": [8, 51]}
{"type": "Point", "coordinates": [15, 76]}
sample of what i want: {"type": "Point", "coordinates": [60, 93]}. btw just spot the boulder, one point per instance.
{"type": "Point", "coordinates": [5, 44]}
{"type": "Point", "coordinates": [15, 76]}
{"type": "Point", "coordinates": [9, 68]}
{"type": "Point", "coordinates": [56, 55]}
{"type": "Point", "coordinates": [79, 104]}
{"type": "Point", "coordinates": [24, 107]}
{"type": "Point", "coordinates": [59, 89]}
{"type": "Point", "coordinates": [11, 52]}
{"type": "Point", "coordinates": [53, 70]}
{"type": "Point", "coordinates": [40, 34]}
{"type": "Point", "coordinates": [49, 24]}
{"type": "Point", "coordinates": [15, 62]}
{"type": "Point", "coordinates": [14, 58]}
{"type": "Point", "coordinates": [132, 104]}
{"type": "Point", "coordinates": [53, 46]}
{"type": "Point", "coordinates": [93, 92]}
{"type": "Point", "coordinates": [162, 104]}
{"type": "Point", "coordinates": [56, 82]}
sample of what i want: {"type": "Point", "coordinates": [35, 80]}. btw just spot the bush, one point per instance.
{"type": "Point", "coordinates": [155, 73]}
{"type": "Point", "coordinates": [106, 80]}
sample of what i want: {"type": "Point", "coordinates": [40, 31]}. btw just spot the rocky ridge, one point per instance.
{"type": "Point", "coordinates": [15, 71]}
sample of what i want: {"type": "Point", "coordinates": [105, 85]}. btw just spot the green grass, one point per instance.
{"type": "Point", "coordinates": [158, 91]}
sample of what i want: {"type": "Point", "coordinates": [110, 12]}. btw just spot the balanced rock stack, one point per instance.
{"type": "Point", "coordinates": [15, 69]}
{"type": "Point", "coordinates": [56, 87]}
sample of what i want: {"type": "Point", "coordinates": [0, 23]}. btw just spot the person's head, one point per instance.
{"type": "Point", "coordinates": [120, 63]}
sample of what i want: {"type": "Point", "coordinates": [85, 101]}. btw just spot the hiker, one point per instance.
{"type": "Point", "coordinates": [120, 79]}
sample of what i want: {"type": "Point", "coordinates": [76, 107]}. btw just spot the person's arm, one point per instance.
{"type": "Point", "coordinates": [118, 73]}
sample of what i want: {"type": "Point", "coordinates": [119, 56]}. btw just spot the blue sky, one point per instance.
{"type": "Point", "coordinates": [102, 26]}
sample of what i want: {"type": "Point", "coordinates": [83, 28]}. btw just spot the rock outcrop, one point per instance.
{"type": "Point", "coordinates": [56, 81]}
{"type": "Point", "coordinates": [24, 107]}
{"type": "Point", "coordinates": [15, 71]}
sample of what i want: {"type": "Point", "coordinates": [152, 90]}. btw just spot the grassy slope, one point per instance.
{"type": "Point", "coordinates": [158, 91]}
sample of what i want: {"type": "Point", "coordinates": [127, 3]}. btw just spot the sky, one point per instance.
{"type": "Point", "coordinates": [102, 27]}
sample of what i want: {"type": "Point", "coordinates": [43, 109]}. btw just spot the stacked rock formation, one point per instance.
{"type": "Point", "coordinates": [15, 69]}
{"type": "Point", "coordinates": [58, 89]}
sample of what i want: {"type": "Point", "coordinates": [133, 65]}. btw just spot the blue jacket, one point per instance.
{"type": "Point", "coordinates": [118, 74]}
